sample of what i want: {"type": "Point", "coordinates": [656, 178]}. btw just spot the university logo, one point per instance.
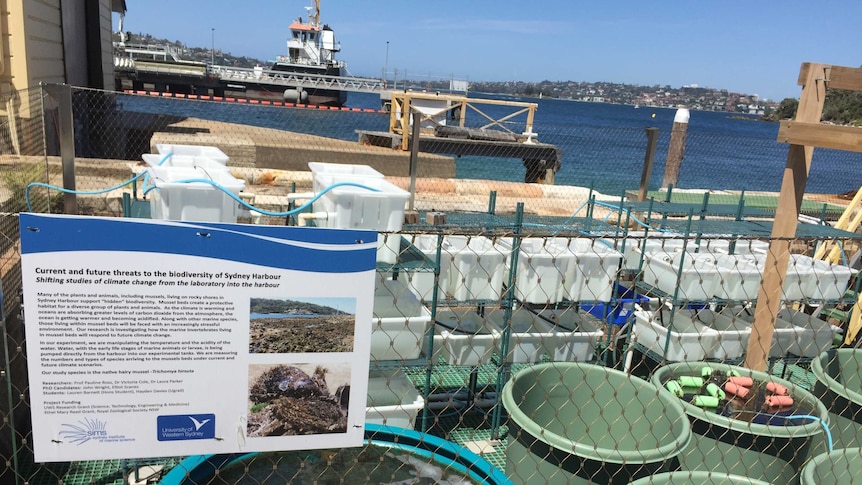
{"type": "Point", "coordinates": [185, 427]}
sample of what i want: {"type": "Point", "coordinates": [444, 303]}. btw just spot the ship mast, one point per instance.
{"type": "Point", "coordinates": [315, 20]}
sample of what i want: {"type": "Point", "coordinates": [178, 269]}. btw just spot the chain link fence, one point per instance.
{"type": "Point", "coordinates": [538, 333]}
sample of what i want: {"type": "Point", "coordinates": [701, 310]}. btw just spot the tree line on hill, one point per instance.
{"type": "Point", "coordinates": [269, 305]}
{"type": "Point", "coordinates": [841, 107]}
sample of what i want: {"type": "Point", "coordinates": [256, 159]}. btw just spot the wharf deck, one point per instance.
{"type": "Point", "coordinates": [539, 158]}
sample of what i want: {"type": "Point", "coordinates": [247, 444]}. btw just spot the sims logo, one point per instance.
{"type": "Point", "coordinates": [84, 431]}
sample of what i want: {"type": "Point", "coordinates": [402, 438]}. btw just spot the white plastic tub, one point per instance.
{"type": "Point", "coordinates": [682, 340]}
{"type": "Point", "coordinates": [211, 152]}
{"type": "Point", "coordinates": [742, 246]}
{"type": "Point", "coordinates": [392, 399]}
{"type": "Point", "coordinates": [733, 334]}
{"type": "Point", "coordinates": [342, 171]}
{"type": "Point", "coordinates": [830, 280]}
{"type": "Point", "coordinates": [785, 335]}
{"type": "Point", "coordinates": [471, 268]}
{"type": "Point", "coordinates": [656, 242]}
{"type": "Point", "coordinates": [531, 338]}
{"type": "Point", "coordinates": [184, 161]}
{"type": "Point", "coordinates": [422, 281]}
{"type": "Point", "coordinates": [696, 281]}
{"type": "Point", "coordinates": [594, 271]}
{"type": "Point", "coordinates": [738, 277]}
{"type": "Point", "coordinates": [196, 201]}
{"type": "Point", "coordinates": [400, 322]}
{"type": "Point", "coordinates": [468, 338]}
{"type": "Point", "coordinates": [815, 335]}
{"type": "Point", "coordinates": [577, 334]}
{"type": "Point", "coordinates": [388, 247]}
{"type": "Point", "coordinates": [545, 269]}
{"type": "Point", "coordinates": [350, 207]}
{"type": "Point", "coordinates": [477, 267]}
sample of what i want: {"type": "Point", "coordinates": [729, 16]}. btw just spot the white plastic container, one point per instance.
{"type": "Point", "coordinates": [785, 335]}
{"type": "Point", "coordinates": [815, 335]}
{"type": "Point", "coordinates": [471, 268]}
{"type": "Point", "coordinates": [733, 334]}
{"type": "Point", "coordinates": [742, 246]}
{"type": "Point", "coordinates": [696, 282]}
{"type": "Point", "coordinates": [392, 399]}
{"type": "Point", "coordinates": [830, 280]}
{"type": "Point", "coordinates": [469, 339]}
{"type": "Point", "coordinates": [656, 242]}
{"type": "Point", "coordinates": [184, 161]}
{"type": "Point", "coordinates": [543, 268]}
{"type": "Point", "coordinates": [594, 272]}
{"type": "Point", "coordinates": [342, 171]}
{"type": "Point", "coordinates": [577, 334]}
{"type": "Point", "coordinates": [477, 267]}
{"type": "Point", "coordinates": [196, 201]}
{"type": "Point", "coordinates": [687, 340]}
{"type": "Point", "coordinates": [531, 338]}
{"type": "Point", "coordinates": [211, 152]}
{"type": "Point", "coordinates": [349, 207]}
{"type": "Point", "coordinates": [422, 282]}
{"type": "Point", "coordinates": [388, 247]}
{"type": "Point", "coordinates": [738, 277]}
{"type": "Point", "coordinates": [400, 322]}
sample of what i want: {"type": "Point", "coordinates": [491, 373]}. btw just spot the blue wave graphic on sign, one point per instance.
{"type": "Point", "coordinates": [295, 248]}
{"type": "Point", "coordinates": [185, 427]}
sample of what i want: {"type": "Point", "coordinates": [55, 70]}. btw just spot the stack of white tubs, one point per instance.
{"type": "Point", "coordinates": [177, 199]}
{"type": "Point", "coordinates": [352, 207]}
{"type": "Point", "coordinates": [399, 327]}
{"type": "Point", "coordinates": [400, 322]}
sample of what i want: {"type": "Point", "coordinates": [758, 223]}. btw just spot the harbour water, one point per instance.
{"type": "Point", "coordinates": [603, 145]}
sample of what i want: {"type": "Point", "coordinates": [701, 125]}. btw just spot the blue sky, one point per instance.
{"type": "Point", "coordinates": [743, 46]}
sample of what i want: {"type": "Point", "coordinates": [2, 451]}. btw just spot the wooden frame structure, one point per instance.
{"type": "Point", "coordinates": [803, 134]}
{"type": "Point", "coordinates": [452, 107]}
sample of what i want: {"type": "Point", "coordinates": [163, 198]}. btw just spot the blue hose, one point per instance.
{"type": "Point", "coordinates": [87, 192]}
{"type": "Point", "coordinates": [266, 212]}
{"type": "Point", "coordinates": [822, 423]}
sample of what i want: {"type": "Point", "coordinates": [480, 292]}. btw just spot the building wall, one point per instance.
{"type": "Point", "coordinates": [32, 38]}
{"type": "Point", "coordinates": [37, 52]}
{"type": "Point", "coordinates": [106, 24]}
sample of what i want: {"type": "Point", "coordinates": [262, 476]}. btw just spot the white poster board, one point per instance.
{"type": "Point", "coordinates": [160, 338]}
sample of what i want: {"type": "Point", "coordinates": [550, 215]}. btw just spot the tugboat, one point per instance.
{"type": "Point", "coordinates": [311, 49]}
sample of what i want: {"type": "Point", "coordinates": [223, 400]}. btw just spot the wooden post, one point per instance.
{"type": "Point", "coordinates": [813, 79]}
{"type": "Point", "coordinates": [652, 138]}
{"type": "Point", "coordinates": [676, 150]}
